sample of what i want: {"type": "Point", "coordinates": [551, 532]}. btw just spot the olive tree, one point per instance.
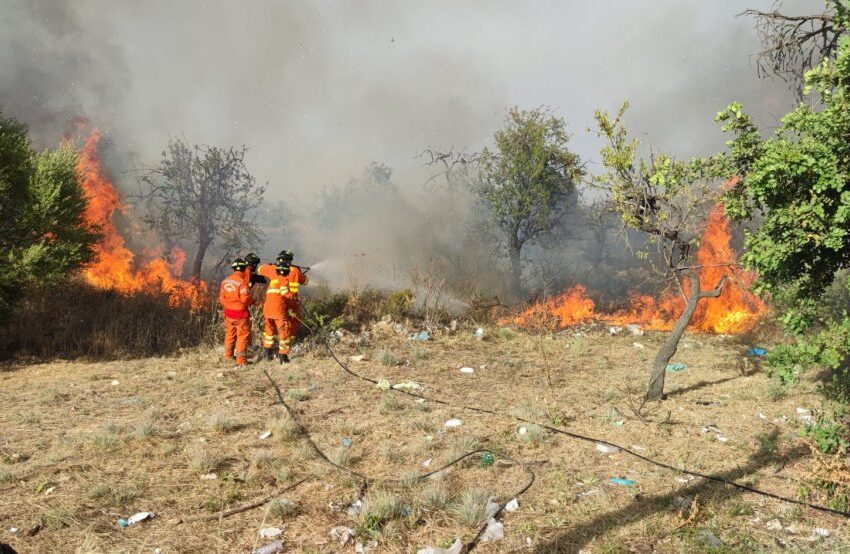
{"type": "Point", "coordinates": [525, 181]}
{"type": "Point", "coordinates": [203, 194]}
{"type": "Point", "coordinates": [667, 200]}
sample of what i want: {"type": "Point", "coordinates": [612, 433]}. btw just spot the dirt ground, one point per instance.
{"type": "Point", "coordinates": [84, 444]}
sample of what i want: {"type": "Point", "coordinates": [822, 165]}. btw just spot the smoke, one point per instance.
{"type": "Point", "coordinates": [318, 91]}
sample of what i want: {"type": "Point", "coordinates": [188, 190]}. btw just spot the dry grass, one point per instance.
{"type": "Point", "coordinates": [77, 452]}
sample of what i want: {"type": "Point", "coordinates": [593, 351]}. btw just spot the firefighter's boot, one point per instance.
{"type": "Point", "coordinates": [269, 354]}
{"type": "Point", "coordinates": [284, 358]}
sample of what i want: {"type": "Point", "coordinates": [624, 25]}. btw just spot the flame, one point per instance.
{"type": "Point", "coordinates": [736, 310]}
{"type": "Point", "coordinates": [115, 266]}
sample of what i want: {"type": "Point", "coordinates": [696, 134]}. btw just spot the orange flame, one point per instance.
{"type": "Point", "coordinates": [736, 309]}
{"type": "Point", "coordinates": [115, 266]}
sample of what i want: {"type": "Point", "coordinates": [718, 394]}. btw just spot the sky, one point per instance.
{"type": "Point", "coordinates": [318, 90]}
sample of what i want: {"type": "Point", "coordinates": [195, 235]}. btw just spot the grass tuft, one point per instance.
{"type": "Point", "coordinates": [472, 508]}
{"type": "Point", "coordinates": [220, 423]}
{"type": "Point", "coordinates": [434, 498]}
{"type": "Point", "coordinates": [201, 461]}
{"type": "Point", "coordinates": [281, 508]}
{"type": "Point", "coordinates": [387, 358]}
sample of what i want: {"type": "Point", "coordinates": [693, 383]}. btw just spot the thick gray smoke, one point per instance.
{"type": "Point", "coordinates": [320, 90]}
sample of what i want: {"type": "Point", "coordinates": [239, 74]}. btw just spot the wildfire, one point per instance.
{"type": "Point", "coordinates": [736, 309]}
{"type": "Point", "coordinates": [115, 266]}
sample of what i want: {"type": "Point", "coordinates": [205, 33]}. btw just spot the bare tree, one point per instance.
{"type": "Point", "coordinates": [793, 44]}
{"type": "Point", "coordinates": [203, 194]}
{"type": "Point", "coordinates": [456, 168]}
{"type": "Point", "coordinates": [667, 200]}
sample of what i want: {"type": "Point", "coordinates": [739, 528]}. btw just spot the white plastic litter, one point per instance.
{"type": "Point", "coordinates": [820, 533]}
{"type": "Point", "coordinates": [265, 435]}
{"type": "Point", "coordinates": [495, 531]}
{"type": "Point", "coordinates": [407, 385]}
{"type": "Point", "coordinates": [13, 530]}
{"type": "Point", "coordinates": [721, 438]}
{"type": "Point", "coordinates": [354, 508]}
{"type": "Point", "coordinates": [342, 534]}
{"type": "Point", "coordinates": [455, 548]}
{"type": "Point", "coordinates": [512, 506]}
{"type": "Point", "coordinates": [606, 448]}
{"type": "Point", "coordinates": [638, 345]}
{"type": "Point", "coordinates": [635, 330]}
{"type": "Point", "coordinates": [427, 463]}
{"type": "Point", "coordinates": [615, 330]}
{"type": "Point", "coordinates": [479, 333]}
{"type": "Point", "coordinates": [209, 477]}
{"type": "Point", "coordinates": [453, 423]}
{"type": "Point", "coordinates": [762, 416]}
{"type": "Point", "coordinates": [270, 532]}
{"type": "Point", "coordinates": [467, 370]}
{"type": "Point", "coordinates": [114, 382]}
{"type": "Point", "coordinates": [270, 548]}
{"type": "Point", "coordinates": [358, 358]}
{"type": "Point", "coordinates": [383, 384]}
{"type": "Point", "coordinates": [803, 411]}
{"type": "Point", "coordinates": [522, 430]}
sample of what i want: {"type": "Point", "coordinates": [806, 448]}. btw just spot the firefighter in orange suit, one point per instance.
{"type": "Point", "coordinates": [273, 308]}
{"type": "Point", "coordinates": [294, 277]}
{"type": "Point", "coordinates": [235, 299]}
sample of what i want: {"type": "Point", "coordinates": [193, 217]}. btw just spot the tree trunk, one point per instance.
{"type": "Point", "coordinates": [655, 390]}
{"type": "Point", "coordinates": [514, 251]}
{"type": "Point", "coordinates": [203, 244]}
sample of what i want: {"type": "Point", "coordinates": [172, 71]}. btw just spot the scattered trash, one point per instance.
{"type": "Point", "coordinates": [467, 370]}
{"type": "Point", "coordinates": [622, 482]}
{"type": "Point", "coordinates": [13, 530]}
{"type": "Point", "coordinates": [358, 358]}
{"type": "Point", "coordinates": [407, 385]}
{"type": "Point", "coordinates": [635, 330]}
{"type": "Point", "coordinates": [615, 330]}
{"type": "Point", "coordinates": [455, 548]}
{"type": "Point", "coordinates": [587, 493]}
{"type": "Point", "coordinates": [346, 442]}
{"type": "Point", "coordinates": [673, 368]}
{"type": "Point", "coordinates": [774, 525]}
{"type": "Point", "coordinates": [781, 419]}
{"type": "Point", "coordinates": [342, 534]}
{"type": "Point", "coordinates": [618, 423]}
{"type": "Point", "coordinates": [209, 477]}
{"type": "Point", "coordinates": [803, 411]}
{"type": "Point", "coordinates": [265, 435]}
{"type": "Point", "coordinates": [487, 459]}
{"type": "Point", "coordinates": [427, 463]}
{"type": "Point", "coordinates": [820, 533]}
{"type": "Point", "coordinates": [606, 448]}
{"type": "Point", "coordinates": [114, 382]}
{"type": "Point", "coordinates": [638, 447]}
{"type": "Point", "coordinates": [685, 479]}
{"type": "Point", "coordinates": [49, 490]}
{"type": "Point", "coordinates": [135, 518]}
{"type": "Point", "coordinates": [270, 548]}
{"type": "Point", "coordinates": [757, 352]}
{"type": "Point", "coordinates": [270, 532]}
{"type": "Point", "coordinates": [453, 423]}
{"type": "Point", "coordinates": [354, 508]}
{"type": "Point", "coordinates": [512, 506]}
{"type": "Point", "coordinates": [721, 438]}
{"type": "Point", "coordinates": [522, 430]}
{"type": "Point", "coordinates": [762, 416]}
{"type": "Point", "coordinates": [638, 345]}
{"type": "Point", "coordinates": [479, 333]}
{"type": "Point", "coordinates": [383, 384]}
{"type": "Point", "coordinates": [710, 428]}
{"type": "Point", "coordinates": [422, 335]}
{"type": "Point", "coordinates": [495, 531]}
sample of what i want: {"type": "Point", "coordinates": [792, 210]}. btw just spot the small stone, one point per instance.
{"type": "Point", "coordinates": [453, 423]}
{"type": "Point", "coordinates": [114, 382]}
{"type": "Point", "coordinates": [358, 358]}
{"type": "Point", "coordinates": [209, 477]}
{"type": "Point", "coordinates": [774, 525]}
{"type": "Point", "coordinates": [265, 435]}
{"type": "Point", "coordinates": [270, 532]}
{"type": "Point", "coordinates": [638, 345]}
{"type": "Point", "coordinates": [512, 506]}
{"type": "Point", "coordinates": [606, 448]}
{"type": "Point", "coordinates": [820, 533]}
{"type": "Point", "coordinates": [467, 370]}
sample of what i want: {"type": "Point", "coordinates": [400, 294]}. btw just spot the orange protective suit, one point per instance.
{"type": "Point", "coordinates": [281, 298]}
{"type": "Point", "coordinates": [235, 299]}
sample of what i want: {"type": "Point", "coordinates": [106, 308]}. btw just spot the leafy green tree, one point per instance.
{"type": "Point", "coordinates": [203, 194]}
{"type": "Point", "coordinates": [796, 182]}
{"type": "Point", "coordinates": [43, 235]}
{"type": "Point", "coordinates": [667, 200]}
{"type": "Point", "coordinates": [525, 182]}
